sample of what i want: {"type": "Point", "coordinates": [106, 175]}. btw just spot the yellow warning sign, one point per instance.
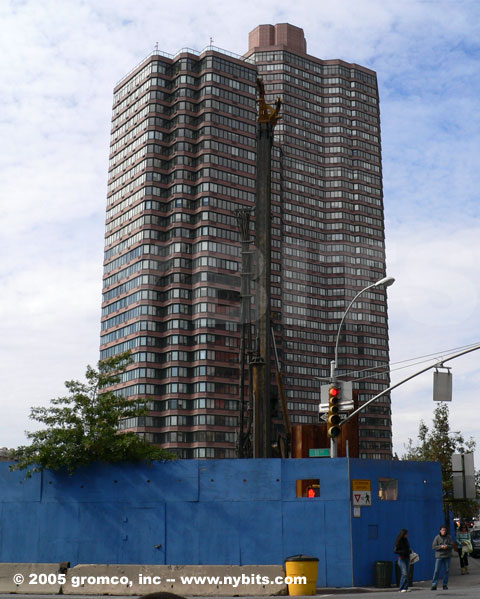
{"type": "Point", "coordinates": [359, 484]}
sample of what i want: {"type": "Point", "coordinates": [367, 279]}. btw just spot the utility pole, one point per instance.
{"type": "Point", "coordinates": [267, 118]}
{"type": "Point", "coordinates": [243, 441]}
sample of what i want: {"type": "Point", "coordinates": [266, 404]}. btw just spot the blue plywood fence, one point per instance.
{"type": "Point", "coordinates": [214, 512]}
{"type": "Point", "coordinates": [419, 509]}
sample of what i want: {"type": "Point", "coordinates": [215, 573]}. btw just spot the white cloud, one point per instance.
{"type": "Point", "coordinates": [433, 309]}
{"type": "Point", "coordinates": [60, 60]}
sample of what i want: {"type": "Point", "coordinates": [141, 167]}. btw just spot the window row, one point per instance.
{"type": "Point", "coordinates": [142, 389]}
{"type": "Point", "coordinates": [168, 341]}
{"type": "Point", "coordinates": [179, 420]}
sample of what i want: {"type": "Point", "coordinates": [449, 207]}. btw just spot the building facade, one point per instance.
{"type": "Point", "coordinates": [182, 161]}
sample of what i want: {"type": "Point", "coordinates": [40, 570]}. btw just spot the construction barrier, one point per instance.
{"type": "Point", "coordinates": [37, 579]}
{"type": "Point", "coordinates": [130, 579]}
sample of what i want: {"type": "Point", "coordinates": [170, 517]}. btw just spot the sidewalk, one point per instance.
{"type": "Point", "coordinates": [456, 580]}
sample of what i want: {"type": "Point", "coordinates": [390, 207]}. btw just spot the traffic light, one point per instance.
{"type": "Point", "coordinates": [333, 422]}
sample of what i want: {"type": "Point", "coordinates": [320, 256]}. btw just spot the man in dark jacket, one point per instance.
{"type": "Point", "coordinates": [442, 544]}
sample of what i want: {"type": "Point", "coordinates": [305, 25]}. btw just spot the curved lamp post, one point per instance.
{"type": "Point", "coordinates": [386, 282]}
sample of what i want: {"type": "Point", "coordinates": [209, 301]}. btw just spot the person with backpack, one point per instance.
{"type": "Point", "coordinates": [464, 546]}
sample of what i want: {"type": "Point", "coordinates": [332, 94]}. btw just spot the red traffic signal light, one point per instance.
{"type": "Point", "coordinates": [333, 421]}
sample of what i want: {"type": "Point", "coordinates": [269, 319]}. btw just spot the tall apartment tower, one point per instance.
{"type": "Point", "coordinates": [182, 161]}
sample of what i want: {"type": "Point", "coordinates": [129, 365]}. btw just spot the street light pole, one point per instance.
{"type": "Point", "coordinates": [386, 281]}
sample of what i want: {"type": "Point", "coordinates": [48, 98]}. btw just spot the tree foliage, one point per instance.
{"type": "Point", "coordinates": [438, 444]}
{"type": "Point", "coordinates": [82, 427]}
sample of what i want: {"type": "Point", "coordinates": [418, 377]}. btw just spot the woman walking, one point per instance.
{"type": "Point", "coordinates": [403, 550]}
{"type": "Point", "coordinates": [464, 543]}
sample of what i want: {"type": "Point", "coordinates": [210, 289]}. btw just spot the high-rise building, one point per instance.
{"type": "Point", "coordinates": [183, 150]}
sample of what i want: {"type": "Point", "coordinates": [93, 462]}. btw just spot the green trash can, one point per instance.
{"type": "Point", "coordinates": [383, 574]}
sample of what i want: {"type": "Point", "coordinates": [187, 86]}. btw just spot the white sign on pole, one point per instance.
{"type": "Point", "coordinates": [347, 391]}
{"type": "Point", "coordinates": [463, 474]}
{"type": "Point", "coordinates": [342, 405]}
{"type": "Point", "coordinates": [362, 498]}
{"type": "Point", "coordinates": [442, 386]}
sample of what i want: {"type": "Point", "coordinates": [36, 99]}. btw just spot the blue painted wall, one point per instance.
{"type": "Point", "coordinates": [213, 512]}
{"type": "Point", "coordinates": [419, 509]}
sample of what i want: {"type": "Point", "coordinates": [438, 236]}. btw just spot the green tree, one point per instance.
{"type": "Point", "coordinates": [83, 427]}
{"type": "Point", "coordinates": [438, 444]}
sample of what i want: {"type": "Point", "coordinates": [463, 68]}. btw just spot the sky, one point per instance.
{"type": "Point", "coordinates": [60, 60]}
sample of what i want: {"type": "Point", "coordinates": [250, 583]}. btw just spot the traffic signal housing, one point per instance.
{"type": "Point", "coordinates": [333, 422]}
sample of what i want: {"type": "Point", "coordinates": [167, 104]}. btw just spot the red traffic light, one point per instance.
{"type": "Point", "coordinates": [333, 421]}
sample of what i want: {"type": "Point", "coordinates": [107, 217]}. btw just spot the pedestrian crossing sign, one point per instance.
{"type": "Point", "coordinates": [362, 498]}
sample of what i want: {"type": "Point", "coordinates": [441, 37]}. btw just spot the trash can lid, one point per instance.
{"type": "Point", "coordinates": [301, 558]}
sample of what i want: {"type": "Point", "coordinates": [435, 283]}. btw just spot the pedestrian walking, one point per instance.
{"type": "Point", "coordinates": [464, 546]}
{"type": "Point", "coordinates": [402, 549]}
{"type": "Point", "coordinates": [442, 545]}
